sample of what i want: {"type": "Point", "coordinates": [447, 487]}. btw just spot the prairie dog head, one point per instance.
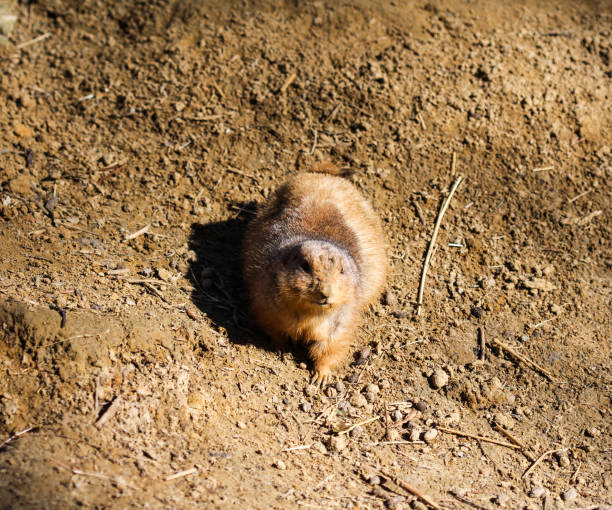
{"type": "Point", "coordinates": [316, 276]}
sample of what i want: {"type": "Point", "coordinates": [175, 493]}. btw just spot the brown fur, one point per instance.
{"type": "Point", "coordinates": [314, 257]}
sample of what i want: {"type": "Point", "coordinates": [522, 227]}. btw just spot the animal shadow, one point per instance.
{"type": "Point", "coordinates": [216, 274]}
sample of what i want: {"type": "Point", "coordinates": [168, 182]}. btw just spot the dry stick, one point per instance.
{"type": "Point", "coordinates": [480, 438]}
{"type": "Point", "coordinates": [432, 243]}
{"type": "Point", "coordinates": [384, 443]}
{"type": "Point", "coordinates": [481, 354]}
{"type": "Point", "coordinates": [525, 360]}
{"type": "Point", "coordinates": [288, 82]}
{"type": "Point", "coordinates": [182, 474]}
{"type": "Point", "coordinates": [466, 501]}
{"type": "Point", "coordinates": [354, 426]}
{"type": "Point", "coordinates": [133, 235]}
{"type": "Point", "coordinates": [426, 499]}
{"type": "Point", "coordinates": [296, 448]}
{"type": "Point", "coordinates": [16, 435]}
{"type": "Point", "coordinates": [453, 164]}
{"type": "Point", "coordinates": [572, 200]}
{"type": "Point", "coordinates": [543, 169]}
{"type": "Point", "coordinates": [235, 171]}
{"type": "Point", "coordinates": [34, 41]}
{"type": "Point", "coordinates": [540, 459]}
{"type": "Point", "coordinates": [109, 413]}
{"type": "Point", "coordinates": [387, 422]}
{"type": "Point", "coordinates": [509, 436]}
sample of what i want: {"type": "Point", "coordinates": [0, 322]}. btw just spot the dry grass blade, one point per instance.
{"type": "Point", "coordinates": [432, 243]}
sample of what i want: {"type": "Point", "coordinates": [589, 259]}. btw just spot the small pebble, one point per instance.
{"type": "Point", "coordinates": [476, 311]}
{"type": "Point", "coordinates": [397, 415]}
{"type": "Point", "coordinates": [394, 435]}
{"type": "Point", "coordinates": [306, 407]}
{"type": "Point", "coordinates": [364, 354]}
{"type": "Point", "coordinates": [241, 425]}
{"type": "Point", "coordinates": [311, 390]}
{"type": "Point", "coordinates": [340, 387]}
{"type": "Point", "coordinates": [164, 274]}
{"type": "Point", "coordinates": [422, 406]}
{"type": "Point", "coordinates": [593, 432]}
{"type": "Point", "coordinates": [371, 388]}
{"type": "Point", "coordinates": [356, 432]}
{"type": "Point", "coordinates": [370, 396]}
{"type": "Point", "coordinates": [338, 443]}
{"type": "Point", "coordinates": [563, 460]}
{"type": "Point", "coordinates": [537, 492]}
{"type": "Point", "coordinates": [279, 464]}
{"type": "Point", "coordinates": [389, 298]}
{"type": "Point", "coordinates": [502, 499]}
{"type": "Point", "coordinates": [331, 391]}
{"type": "Point", "coordinates": [430, 436]}
{"type": "Point", "coordinates": [439, 378]}
{"type": "Point", "coordinates": [415, 434]}
{"type": "Point", "coordinates": [358, 400]}
{"type": "Point", "coordinates": [569, 495]}
{"type": "Point", "coordinates": [374, 480]}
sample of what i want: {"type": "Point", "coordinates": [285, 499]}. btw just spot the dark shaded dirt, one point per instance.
{"type": "Point", "coordinates": [179, 117]}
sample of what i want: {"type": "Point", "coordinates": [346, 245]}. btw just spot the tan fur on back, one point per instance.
{"type": "Point", "coordinates": [324, 223]}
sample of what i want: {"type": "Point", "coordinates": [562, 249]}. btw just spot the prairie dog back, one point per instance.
{"type": "Point", "coordinates": [314, 257]}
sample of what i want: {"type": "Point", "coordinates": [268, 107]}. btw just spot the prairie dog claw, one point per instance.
{"type": "Point", "coordinates": [319, 379]}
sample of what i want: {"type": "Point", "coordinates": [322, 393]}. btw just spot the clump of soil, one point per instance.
{"type": "Point", "coordinates": [136, 139]}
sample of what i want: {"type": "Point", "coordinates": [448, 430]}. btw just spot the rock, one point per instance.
{"type": "Point", "coordinates": [439, 378]}
{"type": "Point", "coordinates": [358, 400]}
{"type": "Point", "coordinates": [340, 387]}
{"type": "Point", "coordinates": [397, 415]}
{"type": "Point", "coordinates": [502, 500]}
{"type": "Point", "coordinates": [331, 391]}
{"type": "Point", "coordinates": [415, 434]}
{"type": "Point", "coordinates": [370, 397]}
{"type": "Point", "coordinates": [394, 435]}
{"type": "Point", "coordinates": [563, 459]}
{"type": "Point", "coordinates": [373, 480]}
{"type": "Point", "coordinates": [537, 492]}
{"type": "Point", "coordinates": [371, 388]}
{"type": "Point", "coordinates": [164, 274]}
{"type": "Point", "coordinates": [476, 311]}
{"type": "Point", "coordinates": [569, 495]}
{"type": "Point", "coordinates": [21, 185]}
{"type": "Point", "coordinates": [338, 443]}
{"type": "Point", "coordinates": [310, 390]}
{"type": "Point", "coordinates": [306, 407]}
{"type": "Point", "coordinates": [241, 425]}
{"type": "Point", "coordinates": [421, 406]}
{"type": "Point", "coordinates": [430, 436]}
{"type": "Point", "coordinates": [539, 284]}
{"type": "Point", "coordinates": [279, 464]}
{"type": "Point", "coordinates": [22, 131]}
{"type": "Point", "coordinates": [389, 298]}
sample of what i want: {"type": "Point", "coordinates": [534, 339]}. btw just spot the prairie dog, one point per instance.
{"type": "Point", "coordinates": [314, 257]}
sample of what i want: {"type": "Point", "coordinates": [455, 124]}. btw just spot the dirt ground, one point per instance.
{"type": "Point", "coordinates": [136, 139]}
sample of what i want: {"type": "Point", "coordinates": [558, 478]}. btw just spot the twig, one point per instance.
{"type": "Point", "coordinates": [467, 501]}
{"type": "Point", "coordinates": [354, 426]}
{"type": "Point", "coordinates": [572, 200]}
{"type": "Point", "coordinates": [235, 171]}
{"type": "Point", "coordinates": [296, 448]}
{"type": "Point", "coordinates": [479, 438]}
{"type": "Point", "coordinates": [525, 360]}
{"type": "Point", "coordinates": [432, 243]}
{"type": "Point", "coordinates": [33, 41]}
{"type": "Point", "coordinates": [133, 235]}
{"type": "Point", "coordinates": [383, 443]}
{"type": "Point", "coordinates": [109, 413]}
{"type": "Point", "coordinates": [314, 143]}
{"type": "Point", "coordinates": [543, 169]}
{"type": "Point", "coordinates": [536, 326]}
{"type": "Point", "coordinates": [16, 435]}
{"type": "Point", "coordinates": [426, 499]}
{"type": "Point", "coordinates": [482, 343]}
{"type": "Point", "coordinates": [182, 474]}
{"type": "Point", "coordinates": [288, 82]}
{"type": "Point", "coordinates": [540, 459]}
{"type": "Point", "coordinates": [387, 422]}
{"type": "Point", "coordinates": [453, 164]}
{"type": "Point", "coordinates": [514, 440]}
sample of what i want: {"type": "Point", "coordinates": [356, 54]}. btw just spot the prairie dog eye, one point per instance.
{"type": "Point", "coordinates": [305, 266]}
